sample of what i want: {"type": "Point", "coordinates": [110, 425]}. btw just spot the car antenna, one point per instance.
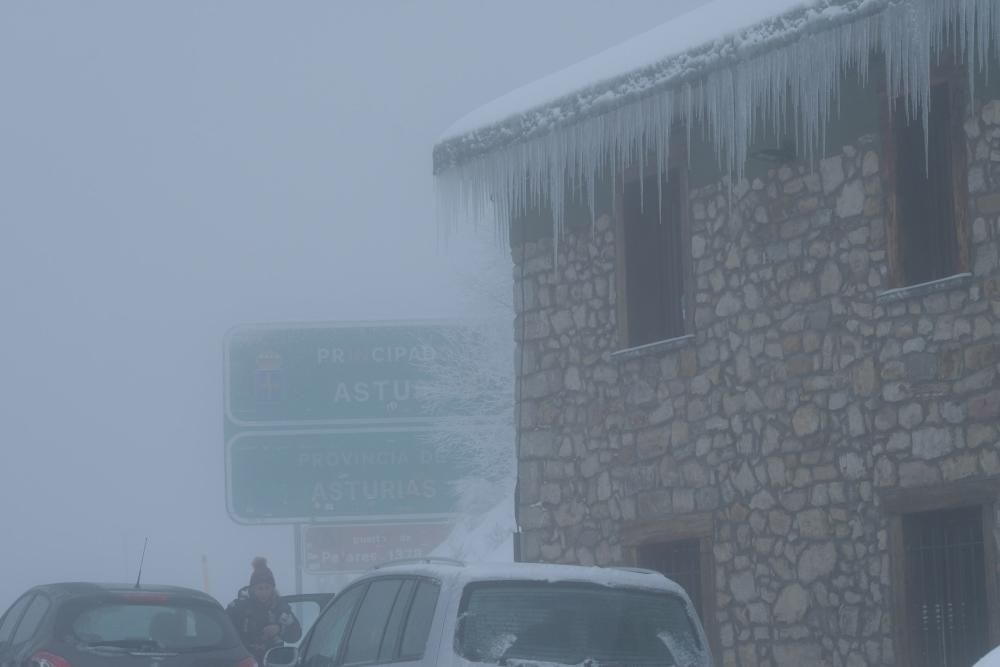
{"type": "Point", "coordinates": [141, 559]}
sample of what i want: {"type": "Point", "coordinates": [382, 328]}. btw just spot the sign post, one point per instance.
{"type": "Point", "coordinates": [298, 559]}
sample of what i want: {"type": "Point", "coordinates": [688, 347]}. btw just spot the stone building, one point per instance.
{"type": "Point", "coordinates": [761, 352]}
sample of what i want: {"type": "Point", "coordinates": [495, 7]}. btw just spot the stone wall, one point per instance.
{"type": "Point", "coordinates": [805, 393]}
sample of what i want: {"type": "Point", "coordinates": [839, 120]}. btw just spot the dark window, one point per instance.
{"type": "Point", "coordinates": [370, 623]}
{"type": "Point", "coordinates": [927, 245]}
{"type": "Point", "coordinates": [33, 616]}
{"type": "Point", "coordinates": [679, 561]}
{"type": "Point", "coordinates": [329, 631]}
{"type": "Point", "coordinates": [394, 627]}
{"type": "Point", "coordinates": [11, 618]}
{"type": "Point", "coordinates": [418, 623]}
{"type": "Point", "coordinates": [655, 249]}
{"type": "Point", "coordinates": [945, 586]}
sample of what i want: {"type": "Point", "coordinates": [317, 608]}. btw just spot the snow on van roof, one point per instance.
{"type": "Point", "coordinates": [548, 572]}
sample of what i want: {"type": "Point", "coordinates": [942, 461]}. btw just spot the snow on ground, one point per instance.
{"type": "Point", "coordinates": [486, 538]}
{"type": "Point", "coordinates": [991, 659]}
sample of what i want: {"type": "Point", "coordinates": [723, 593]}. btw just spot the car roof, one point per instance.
{"type": "Point", "coordinates": [548, 572]}
{"type": "Point", "coordinates": [84, 588]}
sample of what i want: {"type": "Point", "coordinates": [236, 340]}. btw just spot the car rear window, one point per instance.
{"type": "Point", "coordinates": [170, 626]}
{"type": "Point", "coordinates": [569, 623]}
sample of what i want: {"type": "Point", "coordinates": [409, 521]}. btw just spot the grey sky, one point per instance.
{"type": "Point", "coordinates": [168, 170]}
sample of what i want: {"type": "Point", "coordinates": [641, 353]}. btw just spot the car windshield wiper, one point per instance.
{"type": "Point", "coordinates": [134, 644]}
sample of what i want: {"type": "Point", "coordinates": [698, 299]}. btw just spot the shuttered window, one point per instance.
{"type": "Point", "coordinates": [946, 606]}
{"type": "Point", "coordinates": [679, 561]}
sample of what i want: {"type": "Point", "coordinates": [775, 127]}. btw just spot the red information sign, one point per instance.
{"type": "Point", "coordinates": [328, 549]}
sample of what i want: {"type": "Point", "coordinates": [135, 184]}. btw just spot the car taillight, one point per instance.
{"type": "Point", "coordinates": [249, 662]}
{"type": "Point", "coordinates": [46, 659]}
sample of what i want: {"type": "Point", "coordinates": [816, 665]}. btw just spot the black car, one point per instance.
{"type": "Point", "coordinates": [91, 625]}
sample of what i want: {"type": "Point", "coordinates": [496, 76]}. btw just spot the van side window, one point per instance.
{"type": "Point", "coordinates": [369, 625]}
{"type": "Point", "coordinates": [330, 629]}
{"type": "Point", "coordinates": [394, 628]}
{"type": "Point", "coordinates": [418, 623]}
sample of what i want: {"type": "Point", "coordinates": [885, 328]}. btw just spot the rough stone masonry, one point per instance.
{"type": "Point", "coordinates": [807, 389]}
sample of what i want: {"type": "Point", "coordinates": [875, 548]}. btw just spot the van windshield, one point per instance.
{"type": "Point", "coordinates": [521, 622]}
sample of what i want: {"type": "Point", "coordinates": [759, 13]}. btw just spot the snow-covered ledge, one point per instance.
{"type": "Point", "coordinates": [653, 348]}
{"type": "Point", "coordinates": [923, 289]}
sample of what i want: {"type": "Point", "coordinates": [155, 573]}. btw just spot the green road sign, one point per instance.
{"type": "Point", "coordinates": [311, 375]}
{"type": "Point", "coordinates": [343, 476]}
{"type": "Point", "coordinates": [334, 422]}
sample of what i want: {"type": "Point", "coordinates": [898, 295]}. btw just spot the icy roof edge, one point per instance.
{"type": "Point", "coordinates": [791, 90]}
{"type": "Point", "coordinates": [454, 149]}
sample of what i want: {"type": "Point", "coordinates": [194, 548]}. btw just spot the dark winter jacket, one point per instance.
{"type": "Point", "coordinates": [251, 617]}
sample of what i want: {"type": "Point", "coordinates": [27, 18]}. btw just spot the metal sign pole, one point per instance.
{"type": "Point", "coordinates": [204, 574]}
{"type": "Point", "coordinates": [297, 529]}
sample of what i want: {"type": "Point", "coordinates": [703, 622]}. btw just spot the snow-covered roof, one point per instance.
{"type": "Point", "coordinates": [731, 65]}
{"type": "Point", "coordinates": [718, 31]}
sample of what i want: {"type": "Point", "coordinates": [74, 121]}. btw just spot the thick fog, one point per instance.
{"type": "Point", "coordinates": [168, 170]}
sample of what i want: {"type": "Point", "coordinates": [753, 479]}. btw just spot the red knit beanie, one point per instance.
{"type": "Point", "coordinates": [261, 572]}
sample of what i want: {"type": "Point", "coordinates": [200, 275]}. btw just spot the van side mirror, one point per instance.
{"type": "Point", "coordinates": [281, 656]}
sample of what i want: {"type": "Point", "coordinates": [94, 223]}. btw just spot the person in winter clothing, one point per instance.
{"type": "Point", "coordinates": [262, 619]}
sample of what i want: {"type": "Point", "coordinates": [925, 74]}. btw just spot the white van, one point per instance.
{"type": "Point", "coordinates": [434, 612]}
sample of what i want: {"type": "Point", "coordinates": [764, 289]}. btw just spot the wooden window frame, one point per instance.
{"type": "Point", "coordinates": [695, 526]}
{"type": "Point", "coordinates": [900, 502]}
{"type": "Point", "coordinates": [954, 76]}
{"type": "Point", "coordinates": [678, 162]}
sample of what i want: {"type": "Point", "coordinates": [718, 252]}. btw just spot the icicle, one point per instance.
{"type": "Point", "coordinates": [796, 84]}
